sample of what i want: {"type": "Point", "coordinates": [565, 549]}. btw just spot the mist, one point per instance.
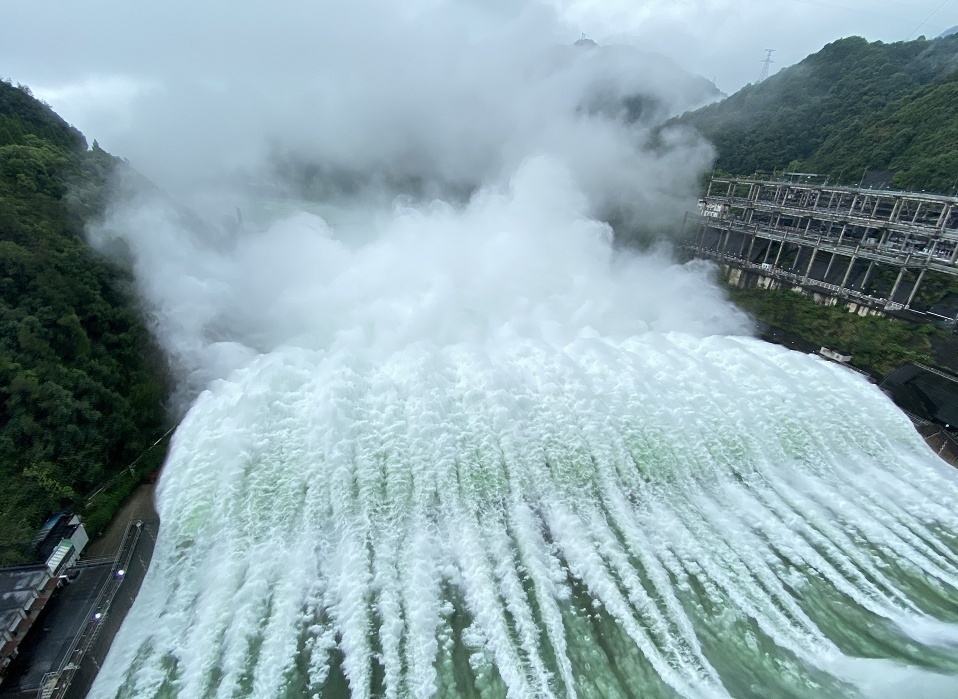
{"type": "Point", "coordinates": [521, 261]}
{"type": "Point", "coordinates": [438, 92]}
{"type": "Point", "coordinates": [438, 173]}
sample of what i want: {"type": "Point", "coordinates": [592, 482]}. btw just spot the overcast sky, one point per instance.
{"type": "Point", "coordinates": [111, 66]}
{"type": "Point", "coordinates": [726, 39]}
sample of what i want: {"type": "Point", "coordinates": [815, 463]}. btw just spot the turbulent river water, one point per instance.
{"type": "Point", "coordinates": [575, 511]}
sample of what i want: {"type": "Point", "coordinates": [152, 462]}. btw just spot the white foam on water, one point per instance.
{"type": "Point", "coordinates": [475, 458]}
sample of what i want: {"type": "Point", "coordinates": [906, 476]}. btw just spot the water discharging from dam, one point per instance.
{"type": "Point", "coordinates": [574, 498]}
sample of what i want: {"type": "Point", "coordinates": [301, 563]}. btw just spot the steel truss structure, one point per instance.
{"type": "Point", "coordinates": [829, 237]}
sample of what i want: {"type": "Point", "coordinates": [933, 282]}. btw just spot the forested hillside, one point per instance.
{"type": "Point", "coordinates": [852, 106]}
{"type": "Point", "coordinates": [81, 384]}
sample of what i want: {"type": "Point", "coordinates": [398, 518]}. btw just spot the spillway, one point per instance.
{"type": "Point", "coordinates": [482, 462]}
{"type": "Point", "coordinates": [663, 516]}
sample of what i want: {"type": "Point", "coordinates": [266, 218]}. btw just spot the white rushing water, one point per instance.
{"type": "Point", "coordinates": [473, 459]}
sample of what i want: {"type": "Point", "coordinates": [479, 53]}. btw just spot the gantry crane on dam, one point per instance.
{"type": "Point", "coordinates": [831, 239]}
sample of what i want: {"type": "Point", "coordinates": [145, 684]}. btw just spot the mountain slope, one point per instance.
{"type": "Point", "coordinates": [916, 136]}
{"type": "Point", "coordinates": [851, 106]}
{"type": "Point", "coordinates": [81, 387]}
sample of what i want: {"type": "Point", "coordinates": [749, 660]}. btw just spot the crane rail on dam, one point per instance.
{"type": "Point", "coordinates": [826, 237]}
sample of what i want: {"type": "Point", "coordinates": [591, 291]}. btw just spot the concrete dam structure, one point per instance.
{"type": "Point", "coordinates": [872, 248]}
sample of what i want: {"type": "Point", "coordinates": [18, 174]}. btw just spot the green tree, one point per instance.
{"type": "Point", "coordinates": [82, 384]}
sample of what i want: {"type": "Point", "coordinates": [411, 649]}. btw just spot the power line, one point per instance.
{"type": "Point", "coordinates": [927, 19]}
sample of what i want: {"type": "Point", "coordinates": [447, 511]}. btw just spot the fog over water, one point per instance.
{"type": "Point", "coordinates": [442, 439]}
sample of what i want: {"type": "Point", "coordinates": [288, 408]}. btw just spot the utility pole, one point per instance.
{"type": "Point", "coordinates": [767, 63]}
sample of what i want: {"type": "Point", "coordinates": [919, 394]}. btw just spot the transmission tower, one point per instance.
{"type": "Point", "coordinates": [767, 63]}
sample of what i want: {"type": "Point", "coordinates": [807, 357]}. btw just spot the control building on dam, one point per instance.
{"type": "Point", "coordinates": [875, 249]}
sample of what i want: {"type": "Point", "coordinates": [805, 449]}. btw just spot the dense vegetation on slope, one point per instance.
{"type": "Point", "coordinates": [852, 106]}
{"type": "Point", "coordinates": [81, 385]}
{"type": "Point", "coordinates": [877, 345]}
{"type": "Point", "coordinates": [916, 136]}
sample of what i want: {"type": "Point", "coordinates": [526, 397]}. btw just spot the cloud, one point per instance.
{"type": "Point", "coordinates": [714, 38]}
{"type": "Point", "coordinates": [726, 40]}
{"type": "Point", "coordinates": [429, 91]}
